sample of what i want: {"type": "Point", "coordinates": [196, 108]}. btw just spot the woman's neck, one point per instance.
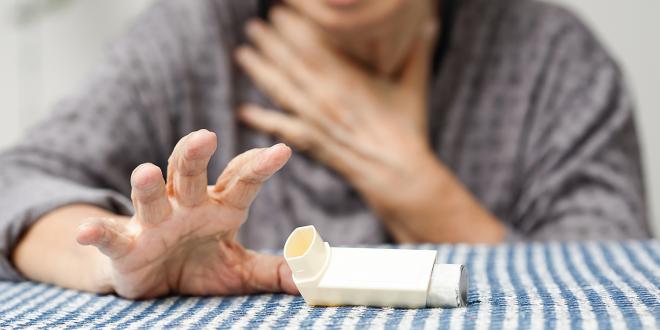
{"type": "Point", "coordinates": [384, 47]}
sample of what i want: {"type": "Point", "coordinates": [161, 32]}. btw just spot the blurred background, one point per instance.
{"type": "Point", "coordinates": [49, 45]}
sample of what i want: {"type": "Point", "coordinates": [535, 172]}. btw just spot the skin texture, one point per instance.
{"type": "Point", "coordinates": [352, 76]}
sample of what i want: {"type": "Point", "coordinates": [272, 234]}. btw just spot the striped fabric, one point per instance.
{"type": "Point", "coordinates": [592, 285]}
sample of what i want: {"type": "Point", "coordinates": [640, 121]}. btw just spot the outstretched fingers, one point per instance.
{"type": "Point", "coordinates": [108, 235]}
{"type": "Point", "coordinates": [241, 180]}
{"type": "Point", "coordinates": [186, 172]}
{"type": "Point", "coordinates": [149, 195]}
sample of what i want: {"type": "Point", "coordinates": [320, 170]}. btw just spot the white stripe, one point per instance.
{"type": "Point", "coordinates": [257, 305]}
{"type": "Point", "coordinates": [27, 305]}
{"type": "Point", "coordinates": [433, 318]}
{"type": "Point", "coordinates": [381, 318]}
{"type": "Point", "coordinates": [351, 318]}
{"type": "Point", "coordinates": [37, 312]}
{"type": "Point", "coordinates": [79, 306]}
{"type": "Point", "coordinates": [540, 264]}
{"type": "Point", "coordinates": [632, 271]}
{"type": "Point", "coordinates": [114, 310]}
{"type": "Point", "coordinates": [644, 258]}
{"type": "Point", "coordinates": [612, 310]}
{"type": "Point", "coordinates": [322, 320]}
{"type": "Point", "coordinates": [645, 316]}
{"type": "Point", "coordinates": [207, 307]}
{"type": "Point", "coordinates": [295, 321]}
{"type": "Point", "coordinates": [520, 266]}
{"type": "Point", "coordinates": [589, 320]}
{"type": "Point", "coordinates": [143, 319]}
{"type": "Point", "coordinates": [236, 304]}
{"type": "Point", "coordinates": [277, 312]}
{"type": "Point", "coordinates": [406, 320]}
{"type": "Point", "coordinates": [480, 284]}
{"type": "Point", "coordinates": [20, 299]}
{"type": "Point", "coordinates": [178, 311]}
{"type": "Point", "coordinates": [12, 290]}
{"type": "Point", "coordinates": [502, 275]}
{"type": "Point", "coordinates": [99, 302]}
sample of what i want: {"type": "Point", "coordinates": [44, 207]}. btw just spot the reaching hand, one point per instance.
{"type": "Point", "coordinates": [182, 238]}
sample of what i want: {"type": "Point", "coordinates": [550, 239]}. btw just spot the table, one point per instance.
{"type": "Point", "coordinates": [552, 285]}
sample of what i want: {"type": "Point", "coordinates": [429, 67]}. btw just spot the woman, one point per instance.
{"type": "Point", "coordinates": [412, 121]}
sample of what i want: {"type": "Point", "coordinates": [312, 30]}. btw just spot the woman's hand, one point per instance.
{"type": "Point", "coordinates": [182, 236]}
{"type": "Point", "coordinates": [371, 129]}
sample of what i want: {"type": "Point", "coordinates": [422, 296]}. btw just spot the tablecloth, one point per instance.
{"type": "Point", "coordinates": [551, 285]}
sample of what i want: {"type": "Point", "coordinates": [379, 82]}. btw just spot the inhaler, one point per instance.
{"type": "Point", "coordinates": [333, 276]}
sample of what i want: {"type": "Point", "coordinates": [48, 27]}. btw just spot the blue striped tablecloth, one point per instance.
{"type": "Point", "coordinates": [593, 285]}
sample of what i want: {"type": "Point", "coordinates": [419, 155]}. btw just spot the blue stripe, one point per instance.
{"type": "Point", "coordinates": [314, 314]}
{"type": "Point", "coordinates": [95, 315]}
{"type": "Point", "coordinates": [60, 321]}
{"type": "Point", "coordinates": [594, 299]}
{"type": "Point", "coordinates": [395, 318]}
{"type": "Point", "coordinates": [421, 315]}
{"type": "Point", "coordinates": [295, 306]}
{"type": "Point", "coordinates": [167, 312]}
{"type": "Point", "coordinates": [522, 299]}
{"type": "Point", "coordinates": [572, 304]}
{"type": "Point", "coordinates": [45, 315]}
{"type": "Point", "coordinates": [632, 257]}
{"type": "Point", "coordinates": [128, 309]}
{"type": "Point", "coordinates": [335, 321]}
{"type": "Point", "coordinates": [238, 313]}
{"type": "Point", "coordinates": [620, 299]}
{"type": "Point", "coordinates": [497, 297]}
{"type": "Point", "coordinates": [189, 312]}
{"type": "Point", "coordinates": [26, 287]}
{"type": "Point", "coordinates": [7, 322]}
{"type": "Point", "coordinates": [648, 299]}
{"type": "Point", "coordinates": [265, 311]}
{"type": "Point", "coordinates": [654, 256]}
{"type": "Point", "coordinates": [24, 299]}
{"type": "Point", "coordinates": [367, 316]}
{"type": "Point", "coordinates": [549, 312]}
{"type": "Point", "coordinates": [219, 309]}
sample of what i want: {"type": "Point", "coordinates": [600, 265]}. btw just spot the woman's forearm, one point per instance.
{"type": "Point", "coordinates": [49, 253]}
{"type": "Point", "coordinates": [437, 208]}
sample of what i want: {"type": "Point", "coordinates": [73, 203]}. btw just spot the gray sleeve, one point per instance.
{"type": "Point", "coordinates": [124, 115]}
{"type": "Point", "coordinates": [582, 177]}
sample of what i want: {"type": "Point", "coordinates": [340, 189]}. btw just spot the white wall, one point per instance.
{"type": "Point", "coordinates": [41, 62]}
{"type": "Point", "coordinates": [45, 59]}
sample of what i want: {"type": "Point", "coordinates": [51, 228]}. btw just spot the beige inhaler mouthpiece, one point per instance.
{"type": "Point", "coordinates": [331, 276]}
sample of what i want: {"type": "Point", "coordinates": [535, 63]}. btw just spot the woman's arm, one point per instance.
{"type": "Point", "coordinates": [49, 252]}
{"type": "Point", "coordinates": [181, 239]}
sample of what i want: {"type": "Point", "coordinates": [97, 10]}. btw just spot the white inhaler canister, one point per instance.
{"type": "Point", "coordinates": [332, 276]}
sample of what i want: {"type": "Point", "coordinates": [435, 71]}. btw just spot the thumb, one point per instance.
{"type": "Point", "coordinates": [415, 72]}
{"type": "Point", "coordinates": [271, 273]}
